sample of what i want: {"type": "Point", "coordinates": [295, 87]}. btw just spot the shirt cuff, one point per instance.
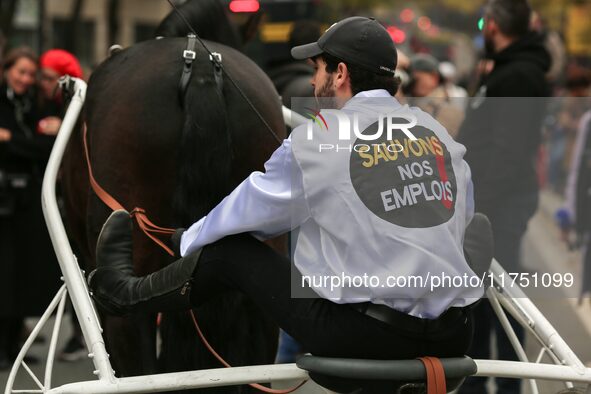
{"type": "Point", "coordinates": [189, 237]}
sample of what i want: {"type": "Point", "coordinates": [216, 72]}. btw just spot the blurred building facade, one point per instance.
{"type": "Point", "coordinates": [445, 28]}
{"type": "Point", "coordinates": [85, 27]}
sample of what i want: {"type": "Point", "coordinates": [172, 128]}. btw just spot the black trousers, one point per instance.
{"type": "Point", "coordinates": [324, 328]}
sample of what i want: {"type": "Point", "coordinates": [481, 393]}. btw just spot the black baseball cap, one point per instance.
{"type": "Point", "coordinates": [357, 40]}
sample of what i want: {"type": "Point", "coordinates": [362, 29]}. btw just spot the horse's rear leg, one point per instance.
{"type": "Point", "coordinates": [132, 344]}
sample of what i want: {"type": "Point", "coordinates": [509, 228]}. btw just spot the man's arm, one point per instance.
{"type": "Point", "coordinates": [264, 204]}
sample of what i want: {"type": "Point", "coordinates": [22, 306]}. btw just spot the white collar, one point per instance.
{"type": "Point", "coordinates": [374, 93]}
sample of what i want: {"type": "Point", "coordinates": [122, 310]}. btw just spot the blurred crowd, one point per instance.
{"type": "Point", "coordinates": [557, 149]}
{"type": "Point", "coordinates": [31, 109]}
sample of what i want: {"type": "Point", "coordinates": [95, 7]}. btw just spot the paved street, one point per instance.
{"type": "Point", "coordinates": [541, 252]}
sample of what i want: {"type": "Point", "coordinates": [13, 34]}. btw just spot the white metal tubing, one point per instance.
{"type": "Point", "coordinates": [291, 118]}
{"type": "Point", "coordinates": [27, 345]}
{"type": "Point", "coordinates": [53, 343]}
{"type": "Point", "coordinates": [68, 264]}
{"type": "Point", "coordinates": [494, 302]}
{"type": "Point", "coordinates": [541, 326]}
{"type": "Point", "coordinates": [187, 380]}
{"type": "Point", "coordinates": [518, 313]}
{"type": "Point", "coordinates": [32, 375]}
{"type": "Point", "coordinates": [521, 370]}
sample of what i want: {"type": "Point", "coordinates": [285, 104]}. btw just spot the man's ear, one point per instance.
{"type": "Point", "coordinates": [341, 75]}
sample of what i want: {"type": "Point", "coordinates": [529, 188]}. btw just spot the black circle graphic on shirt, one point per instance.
{"type": "Point", "coordinates": [408, 183]}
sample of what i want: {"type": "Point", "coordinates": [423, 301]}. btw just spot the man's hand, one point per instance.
{"type": "Point", "coordinates": [49, 125]}
{"type": "Point", "coordinates": [5, 135]}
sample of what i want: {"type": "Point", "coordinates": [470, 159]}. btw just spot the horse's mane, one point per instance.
{"type": "Point", "coordinates": [209, 18]}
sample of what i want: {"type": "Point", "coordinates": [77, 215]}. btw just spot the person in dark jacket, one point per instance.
{"type": "Point", "coordinates": [28, 276]}
{"type": "Point", "coordinates": [502, 134]}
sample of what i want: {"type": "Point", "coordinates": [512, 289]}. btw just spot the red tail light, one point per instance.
{"type": "Point", "coordinates": [244, 5]}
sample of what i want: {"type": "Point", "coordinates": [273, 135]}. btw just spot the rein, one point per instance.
{"type": "Point", "coordinates": [145, 224]}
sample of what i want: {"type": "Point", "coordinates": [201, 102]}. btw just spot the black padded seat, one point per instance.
{"type": "Point", "coordinates": [343, 375]}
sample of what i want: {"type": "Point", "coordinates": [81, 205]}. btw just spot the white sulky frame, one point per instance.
{"type": "Point", "coordinates": [566, 366]}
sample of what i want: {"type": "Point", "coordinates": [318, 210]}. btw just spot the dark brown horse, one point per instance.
{"type": "Point", "coordinates": [176, 157]}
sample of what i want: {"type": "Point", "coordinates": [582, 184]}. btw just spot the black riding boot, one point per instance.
{"type": "Point", "coordinates": [117, 290]}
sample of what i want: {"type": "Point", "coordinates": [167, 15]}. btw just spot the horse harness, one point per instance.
{"type": "Point", "coordinates": [189, 56]}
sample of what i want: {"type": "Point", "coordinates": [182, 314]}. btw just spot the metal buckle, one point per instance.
{"type": "Point", "coordinates": [189, 55]}
{"type": "Point", "coordinates": [218, 57]}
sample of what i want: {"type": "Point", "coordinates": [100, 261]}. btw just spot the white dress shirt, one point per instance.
{"type": "Point", "coordinates": [337, 233]}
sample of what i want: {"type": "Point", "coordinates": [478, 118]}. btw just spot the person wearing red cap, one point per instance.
{"type": "Point", "coordinates": [54, 64]}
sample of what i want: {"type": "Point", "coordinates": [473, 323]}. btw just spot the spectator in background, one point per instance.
{"type": "Point", "coordinates": [53, 64]}
{"type": "Point", "coordinates": [502, 135]}
{"type": "Point", "coordinates": [554, 45]}
{"type": "Point", "coordinates": [292, 77]}
{"type": "Point", "coordinates": [402, 73]}
{"type": "Point", "coordinates": [426, 91]}
{"type": "Point", "coordinates": [29, 276]}
{"type": "Point", "coordinates": [449, 77]}
{"type": "Point", "coordinates": [561, 128]}
{"type": "Point", "coordinates": [577, 213]}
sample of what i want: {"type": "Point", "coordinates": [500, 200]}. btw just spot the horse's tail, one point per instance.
{"type": "Point", "coordinates": [205, 154]}
{"type": "Point", "coordinates": [203, 179]}
{"type": "Point", "coordinates": [206, 175]}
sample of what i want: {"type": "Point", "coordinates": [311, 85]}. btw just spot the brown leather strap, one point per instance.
{"type": "Point", "coordinates": [435, 375]}
{"type": "Point", "coordinates": [150, 228]}
{"type": "Point", "coordinates": [225, 363]}
{"type": "Point", "coordinates": [100, 192]}
{"type": "Point", "coordinates": [139, 214]}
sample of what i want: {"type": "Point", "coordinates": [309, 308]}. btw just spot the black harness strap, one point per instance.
{"type": "Point", "coordinates": [216, 59]}
{"type": "Point", "coordinates": [189, 55]}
